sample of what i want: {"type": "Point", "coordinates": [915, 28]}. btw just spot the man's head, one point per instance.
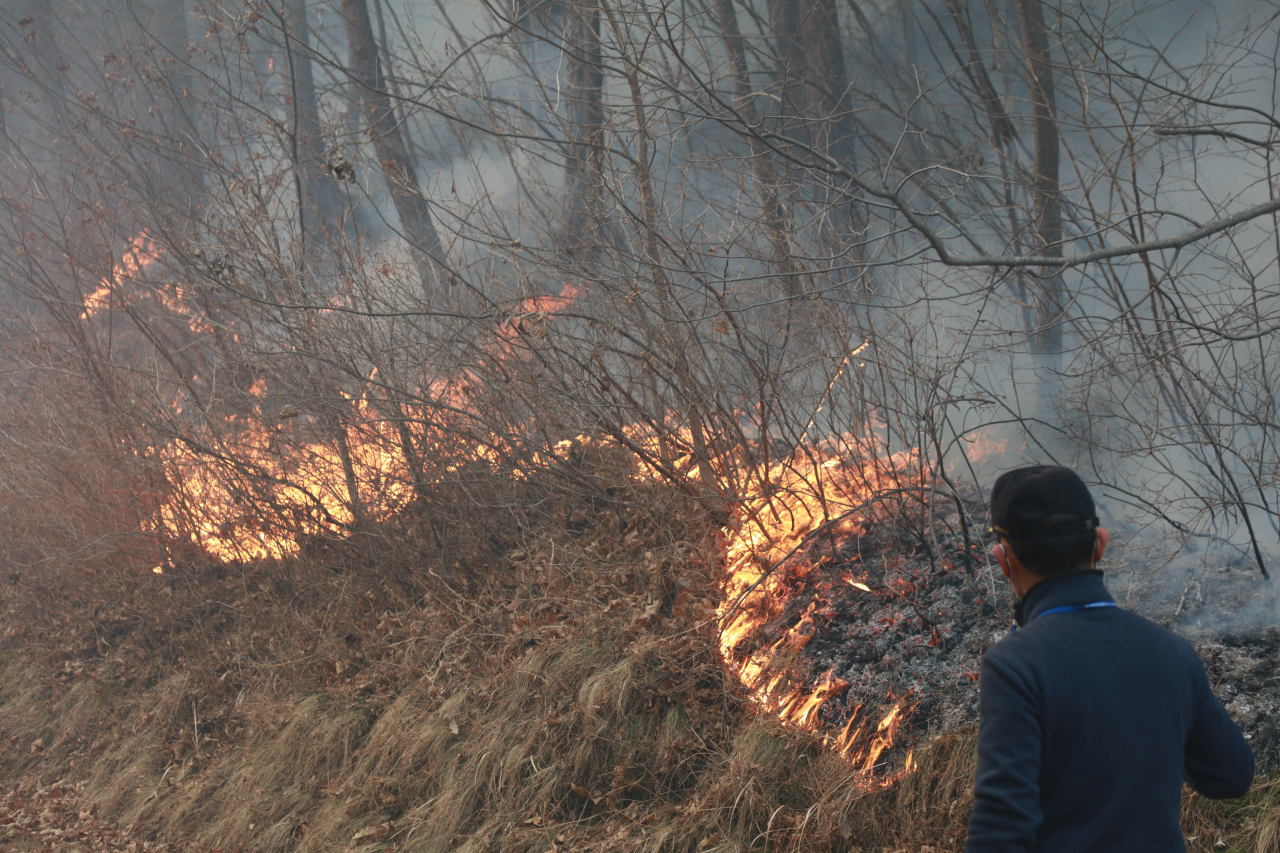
{"type": "Point", "coordinates": [1047, 524]}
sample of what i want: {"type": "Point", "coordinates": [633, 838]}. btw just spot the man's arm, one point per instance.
{"type": "Point", "coordinates": [1219, 762]}
{"type": "Point", "coordinates": [1006, 809]}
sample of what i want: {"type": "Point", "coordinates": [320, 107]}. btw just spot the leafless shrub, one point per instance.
{"type": "Point", "coordinates": [315, 269]}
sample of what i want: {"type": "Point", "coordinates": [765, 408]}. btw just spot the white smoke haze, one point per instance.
{"type": "Point", "coordinates": [686, 225]}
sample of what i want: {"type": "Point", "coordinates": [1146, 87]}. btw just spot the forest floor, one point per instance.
{"type": "Point", "coordinates": [553, 688]}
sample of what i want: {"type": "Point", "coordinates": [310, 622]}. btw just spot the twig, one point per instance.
{"type": "Point", "coordinates": [195, 730]}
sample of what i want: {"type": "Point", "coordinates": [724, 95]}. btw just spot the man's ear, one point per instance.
{"type": "Point", "coordinates": [1101, 545]}
{"type": "Point", "coordinates": [1002, 558]}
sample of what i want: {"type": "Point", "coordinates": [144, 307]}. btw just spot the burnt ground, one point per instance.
{"type": "Point", "coordinates": [1245, 672]}
{"type": "Point", "coordinates": [920, 631]}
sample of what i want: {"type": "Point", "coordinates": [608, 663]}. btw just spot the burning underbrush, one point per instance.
{"type": "Point", "coordinates": [388, 632]}
{"type": "Point", "coordinates": [546, 687]}
{"type": "Point", "coordinates": [544, 684]}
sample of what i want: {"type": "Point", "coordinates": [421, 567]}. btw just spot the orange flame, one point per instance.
{"type": "Point", "coordinates": [885, 731]}
{"type": "Point", "coordinates": [319, 488]}
{"type": "Point", "coordinates": [325, 487]}
{"type": "Point", "coordinates": [820, 490]}
{"type": "Point", "coordinates": [141, 253]}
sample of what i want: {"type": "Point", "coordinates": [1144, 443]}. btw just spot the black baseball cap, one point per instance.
{"type": "Point", "coordinates": [1039, 502]}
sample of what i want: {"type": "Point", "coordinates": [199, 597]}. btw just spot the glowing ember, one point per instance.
{"type": "Point", "coordinates": [821, 492]}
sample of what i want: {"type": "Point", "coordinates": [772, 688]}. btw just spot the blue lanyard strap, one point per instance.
{"type": "Point", "coordinates": [1073, 608]}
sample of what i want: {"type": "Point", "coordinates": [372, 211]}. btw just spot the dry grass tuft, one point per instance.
{"type": "Point", "coordinates": [554, 691]}
{"type": "Point", "coordinates": [1249, 825]}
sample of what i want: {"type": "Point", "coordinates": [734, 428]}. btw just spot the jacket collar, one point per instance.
{"type": "Point", "coordinates": [1065, 590]}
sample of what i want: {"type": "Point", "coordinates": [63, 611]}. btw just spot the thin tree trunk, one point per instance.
{"type": "Point", "coordinates": [584, 126]}
{"type": "Point", "coordinates": [810, 55]}
{"type": "Point", "coordinates": [389, 143]}
{"type": "Point", "coordinates": [1002, 132]}
{"type": "Point", "coordinates": [182, 184]}
{"type": "Point", "coordinates": [776, 215]}
{"type": "Point", "coordinates": [349, 475]}
{"type": "Point", "coordinates": [320, 202]}
{"type": "Point", "coordinates": [1045, 167]}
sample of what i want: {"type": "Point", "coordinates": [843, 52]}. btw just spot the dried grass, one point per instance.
{"type": "Point", "coordinates": [519, 698]}
{"type": "Point", "coordinates": [1250, 824]}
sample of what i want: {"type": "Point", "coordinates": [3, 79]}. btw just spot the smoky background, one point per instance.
{"type": "Point", "coordinates": [279, 273]}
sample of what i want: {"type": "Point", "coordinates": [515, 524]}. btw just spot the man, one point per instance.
{"type": "Point", "coordinates": [1091, 716]}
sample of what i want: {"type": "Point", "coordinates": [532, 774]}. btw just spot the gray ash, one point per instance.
{"type": "Point", "coordinates": [920, 631]}
{"type": "Point", "coordinates": [1245, 675]}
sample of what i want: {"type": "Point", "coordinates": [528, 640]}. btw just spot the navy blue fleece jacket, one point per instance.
{"type": "Point", "coordinates": [1090, 722]}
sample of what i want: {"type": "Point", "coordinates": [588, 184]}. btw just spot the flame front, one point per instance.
{"type": "Point", "coordinates": [326, 487]}
{"type": "Point", "coordinates": [814, 492]}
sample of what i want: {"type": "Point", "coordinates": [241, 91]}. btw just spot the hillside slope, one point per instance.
{"type": "Point", "coordinates": [553, 692]}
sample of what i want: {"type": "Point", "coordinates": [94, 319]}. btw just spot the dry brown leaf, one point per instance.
{"type": "Point", "coordinates": [648, 617]}
{"type": "Point", "coordinates": [372, 834]}
{"type": "Point", "coordinates": [580, 791]}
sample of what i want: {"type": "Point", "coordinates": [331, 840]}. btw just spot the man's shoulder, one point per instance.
{"type": "Point", "coordinates": [1015, 648]}
{"type": "Point", "coordinates": [1155, 632]}
{"type": "Point", "coordinates": [1045, 634]}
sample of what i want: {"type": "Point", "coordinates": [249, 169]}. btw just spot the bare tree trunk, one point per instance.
{"type": "Point", "coordinates": [183, 186]}
{"type": "Point", "coordinates": [810, 55]}
{"type": "Point", "coordinates": [47, 64]}
{"type": "Point", "coordinates": [349, 474]}
{"type": "Point", "coordinates": [389, 143]}
{"type": "Point", "coordinates": [1002, 132]}
{"type": "Point", "coordinates": [320, 202]}
{"type": "Point", "coordinates": [776, 216]}
{"type": "Point", "coordinates": [584, 124]}
{"type": "Point", "coordinates": [1045, 181]}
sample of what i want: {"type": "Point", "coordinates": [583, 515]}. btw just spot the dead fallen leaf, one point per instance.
{"type": "Point", "coordinates": [372, 834]}
{"type": "Point", "coordinates": [648, 617]}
